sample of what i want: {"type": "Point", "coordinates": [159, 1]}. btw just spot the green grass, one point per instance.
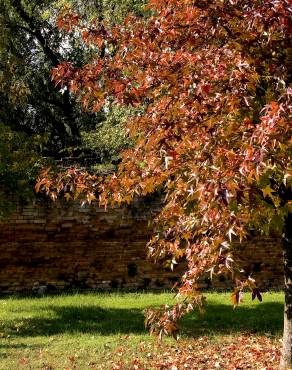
{"type": "Point", "coordinates": [45, 333]}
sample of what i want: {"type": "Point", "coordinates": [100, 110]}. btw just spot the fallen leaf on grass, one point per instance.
{"type": "Point", "coordinates": [230, 353]}
{"type": "Point", "coordinates": [23, 361]}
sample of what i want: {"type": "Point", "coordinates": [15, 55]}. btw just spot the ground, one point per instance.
{"type": "Point", "coordinates": [106, 331]}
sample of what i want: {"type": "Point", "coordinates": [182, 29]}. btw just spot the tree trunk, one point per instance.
{"type": "Point", "coordinates": [286, 359]}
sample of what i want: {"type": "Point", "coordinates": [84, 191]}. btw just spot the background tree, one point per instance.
{"type": "Point", "coordinates": [30, 47]}
{"type": "Point", "coordinates": [19, 166]}
{"type": "Point", "coordinates": [34, 109]}
{"type": "Point", "coordinates": [214, 133]}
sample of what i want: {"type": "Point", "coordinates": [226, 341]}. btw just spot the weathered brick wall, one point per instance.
{"type": "Point", "coordinates": [63, 245]}
{"type": "Point", "coordinates": [261, 258]}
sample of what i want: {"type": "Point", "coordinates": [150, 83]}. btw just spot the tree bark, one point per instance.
{"type": "Point", "coordinates": [286, 359]}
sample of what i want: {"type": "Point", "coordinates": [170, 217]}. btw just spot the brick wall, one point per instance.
{"type": "Point", "coordinates": [63, 246]}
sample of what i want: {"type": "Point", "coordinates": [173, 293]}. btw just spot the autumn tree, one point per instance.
{"type": "Point", "coordinates": [212, 131]}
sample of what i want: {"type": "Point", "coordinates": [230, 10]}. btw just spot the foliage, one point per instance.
{"type": "Point", "coordinates": [215, 135]}
{"type": "Point", "coordinates": [109, 138]}
{"type": "Point", "coordinates": [30, 45]}
{"type": "Point", "coordinates": [33, 108]}
{"type": "Point", "coordinates": [19, 165]}
{"type": "Point", "coordinates": [111, 11]}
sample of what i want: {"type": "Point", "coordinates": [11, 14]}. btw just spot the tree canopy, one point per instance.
{"type": "Point", "coordinates": [37, 118]}
{"type": "Point", "coordinates": [210, 80]}
{"type": "Point", "coordinates": [31, 45]}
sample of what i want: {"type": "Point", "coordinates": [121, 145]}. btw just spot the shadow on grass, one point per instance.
{"type": "Point", "coordinates": [219, 320]}
{"type": "Point", "coordinates": [4, 347]}
{"type": "Point", "coordinates": [84, 319]}
{"type": "Point", "coordinates": [18, 346]}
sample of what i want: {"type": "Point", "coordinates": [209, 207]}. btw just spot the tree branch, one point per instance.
{"type": "Point", "coordinates": [33, 30]}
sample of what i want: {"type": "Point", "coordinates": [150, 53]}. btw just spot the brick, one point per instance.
{"type": "Point", "coordinates": [62, 244]}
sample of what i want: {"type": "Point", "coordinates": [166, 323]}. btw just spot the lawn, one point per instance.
{"type": "Point", "coordinates": [106, 331]}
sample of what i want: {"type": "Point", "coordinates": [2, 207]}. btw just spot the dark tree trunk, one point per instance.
{"type": "Point", "coordinates": [286, 359]}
